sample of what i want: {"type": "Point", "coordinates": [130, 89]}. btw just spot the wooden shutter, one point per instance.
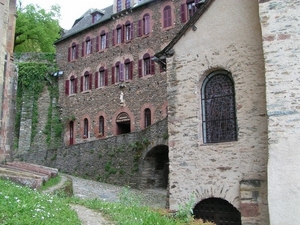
{"type": "Point", "coordinates": [69, 54]}
{"type": "Point", "coordinates": [90, 81]}
{"type": "Point", "coordinates": [107, 40]}
{"type": "Point", "coordinates": [130, 70]}
{"type": "Point", "coordinates": [113, 37]}
{"type": "Point", "coordinates": [67, 87]}
{"type": "Point", "coordinates": [165, 15]}
{"type": "Point", "coordinates": [121, 78]}
{"type": "Point", "coordinates": [96, 79]}
{"type": "Point", "coordinates": [81, 84]}
{"type": "Point", "coordinates": [152, 67]}
{"type": "Point", "coordinates": [140, 70]}
{"type": "Point", "coordinates": [77, 51]}
{"type": "Point", "coordinates": [82, 49]}
{"type": "Point", "coordinates": [113, 75]}
{"type": "Point", "coordinates": [97, 44]}
{"type": "Point", "coordinates": [183, 13]}
{"type": "Point", "coordinates": [92, 42]}
{"type": "Point", "coordinates": [122, 33]}
{"type": "Point", "coordinates": [140, 28]}
{"type": "Point", "coordinates": [75, 83]}
{"type": "Point", "coordinates": [106, 78]}
{"type": "Point", "coordinates": [131, 30]}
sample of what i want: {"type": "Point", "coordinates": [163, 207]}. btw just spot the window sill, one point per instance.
{"type": "Point", "coordinates": [71, 95]}
{"type": "Point", "coordinates": [87, 91]}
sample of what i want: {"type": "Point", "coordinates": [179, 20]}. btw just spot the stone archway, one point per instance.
{"type": "Point", "coordinates": [217, 210]}
{"type": "Point", "coordinates": [123, 123]}
{"type": "Point", "coordinates": [156, 168]}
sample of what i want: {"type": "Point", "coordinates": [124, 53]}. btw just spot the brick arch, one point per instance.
{"type": "Point", "coordinates": [130, 114]}
{"type": "Point", "coordinates": [142, 117]}
{"type": "Point", "coordinates": [96, 123]}
{"type": "Point", "coordinates": [155, 142]}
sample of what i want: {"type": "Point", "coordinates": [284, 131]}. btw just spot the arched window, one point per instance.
{"type": "Point", "coordinates": [101, 77]}
{"type": "Point", "coordinates": [128, 31]}
{"type": "Point", "coordinates": [87, 46]}
{"type": "Point", "coordinates": [86, 81]}
{"type": "Point", "coordinates": [128, 69]}
{"type": "Point", "coordinates": [218, 108]}
{"type": "Point", "coordinates": [147, 119]}
{"type": "Point", "coordinates": [85, 128]}
{"type": "Point", "coordinates": [167, 16]}
{"type": "Point", "coordinates": [71, 128]}
{"type": "Point", "coordinates": [118, 73]}
{"type": "Point", "coordinates": [73, 52]}
{"type": "Point", "coordinates": [146, 23]}
{"type": "Point", "coordinates": [101, 125]}
{"type": "Point", "coordinates": [73, 85]}
{"type": "Point", "coordinates": [146, 66]}
{"type": "Point", "coordinates": [103, 40]}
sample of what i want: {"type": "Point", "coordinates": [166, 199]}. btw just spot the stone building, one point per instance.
{"type": "Point", "coordinates": [7, 77]}
{"type": "Point", "coordinates": [233, 112]}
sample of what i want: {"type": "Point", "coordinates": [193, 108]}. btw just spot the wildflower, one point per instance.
{"type": "Point", "coordinates": [6, 197]}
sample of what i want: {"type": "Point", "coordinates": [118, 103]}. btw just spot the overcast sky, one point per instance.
{"type": "Point", "coordinates": [69, 10]}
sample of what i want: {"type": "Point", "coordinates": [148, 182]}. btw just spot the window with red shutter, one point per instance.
{"type": "Point", "coordinates": [67, 87]}
{"type": "Point", "coordinates": [97, 43]}
{"type": "Point", "coordinates": [90, 81]}
{"type": "Point", "coordinates": [106, 78]}
{"type": "Point", "coordinates": [152, 69]}
{"type": "Point", "coordinates": [146, 25]}
{"type": "Point", "coordinates": [113, 75]}
{"type": "Point", "coordinates": [82, 49]}
{"type": "Point", "coordinates": [140, 28]}
{"type": "Point", "coordinates": [69, 54]}
{"type": "Point", "coordinates": [113, 37]}
{"type": "Point", "coordinates": [167, 15]}
{"type": "Point", "coordinates": [81, 84]}
{"type": "Point", "coordinates": [140, 69]}
{"type": "Point", "coordinates": [96, 80]}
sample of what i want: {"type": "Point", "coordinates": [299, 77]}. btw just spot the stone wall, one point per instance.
{"type": "Point", "coordinates": [227, 37]}
{"type": "Point", "coordinates": [116, 160]}
{"type": "Point", "coordinates": [281, 44]}
{"type": "Point", "coordinates": [148, 91]}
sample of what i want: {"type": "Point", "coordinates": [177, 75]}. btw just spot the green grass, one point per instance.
{"type": "Point", "coordinates": [53, 181]}
{"type": "Point", "coordinates": [21, 206]}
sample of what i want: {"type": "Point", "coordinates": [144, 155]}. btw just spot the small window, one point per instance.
{"type": "Point", "coordinates": [128, 69]}
{"type": "Point", "coordinates": [86, 81]}
{"type": "Point", "coordinates": [73, 85]}
{"type": "Point", "coordinates": [218, 108]}
{"type": "Point", "coordinates": [101, 77]}
{"type": "Point", "coordinates": [128, 31]}
{"type": "Point", "coordinates": [85, 128]}
{"type": "Point", "coordinates": [73, 52]}
{"type": "Point", "coordinates": [103, 40]}
{"type": "Point", "coordinates": [101, 126]}
{"type": "Point", "coordinates": [147, 65]}
{"type": "Point", "coordinates": [119, 73]}
{"type": "Point", "coordinates": [147, 115]}
{"type": "Point", "coordinates": [88, 46]}
{"type": "Point", "coordinates": [119, 35]}
{"type": "Point", "coordinates": [96, 17]}
{"type": "Point", "coordinates": [119, 5]}
{"type": "Point", "coordinates": [167, 16]}
{"type": "Point", "coordinates": [127, 4]}
{"type": "Point", "coordinates": [146, 23]}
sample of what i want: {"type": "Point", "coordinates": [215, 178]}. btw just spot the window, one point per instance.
{"type": "Point", "coordinates": [86, 82]}
{"type": "Point", "coordinates": [167, 16]}
{"type": "Point", "coordinates": [146, 66]}
{"type": "Point", "coordinates": [127, 4]}
{"type": "Point", "coordinates": [86, 47]}
{"type": "Point", "coordinates": [188, 9]}
{"type": "Point", "coordinates": [119, 5]}
{"type": "Point", "coordinates": [96, 17]}
{"type": "Point", "coordinates": [218, 108]}
{"type": "Point", "coordinates": [101, 125]}
{"type": "Point", "coordinates": [101, 78]}
{"type": "Point", "coordinates": [85, 128]}
{"type": "Point", "coordinates": [73, 52]}
{"type": "Point", "coordinates": [128, 69]}
{"type": "Point", "coordinates": [119, 35]}
{"type": "Point", "coordinates": [146, 24]}
{"type": "Point", "coordinates": [147, 115]}
{"type": "Point", "coordinates": [73, 85]}
{"type": "Point", "coordinates": [128, 31]}
{"type": "Point", "coordinates": [103, 40]}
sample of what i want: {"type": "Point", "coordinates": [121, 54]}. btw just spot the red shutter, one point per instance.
{"type": "Point", "coordinates": [131, 31]}
{"type": "Point", "coordinates": [97, 44]}
{"type": "Point", "coordinates": [96, 79]}
{"type": "Point", "coordinates": [140, 28]}
{"type": "Point", "coordinates": [107, 40]}
{"type": "Point", "coordinates": [130, 70]}
{"type": "Point", "coordinates": [169, 17]}
{"type": "Point", "coordinates": [113, 38]}
{"type": "Point", "coordinates": [106, 78]}
{"type": "Point", "coordinates": [183, 13]}
{"type": "Point", "coordinates": [121, 72]}
{"type": "Point", "coordinates": [113, 75]}
{"type": "Point", "coordinates": [82, 49]}
{"type": "Point", "coordinates": [122, 33]}
{"type": "Point", "coordinates": [77, 50]}
{"type": "Point", "coordinates": [140, 68]}
{"type": "Point", "coordinates": [90, 81]}
{"type": "Point", "coordinates": [67, 87]}
{"type": "Point", "coordinates": [81, 84]}
{"type": "Point", "coordinates": [75, 83]}
{"type": "Point", "coordinates": [69, 54]}
{"type": "Point", "coordinates": [152, 67]}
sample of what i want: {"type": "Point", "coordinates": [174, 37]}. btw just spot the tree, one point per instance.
{"type": "Point", "coordinates": [36, 29]}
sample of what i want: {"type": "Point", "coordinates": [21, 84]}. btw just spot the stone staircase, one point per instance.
{"type": "Point", "coordinates": [28, 174]}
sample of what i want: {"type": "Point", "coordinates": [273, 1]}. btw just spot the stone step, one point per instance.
{"type": "Point", "coordinates": [52, 172]}
{"type": "Point", "coordinates": [26, 181]}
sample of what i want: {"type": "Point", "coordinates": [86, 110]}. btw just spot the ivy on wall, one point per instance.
{"type": "Point", "coordinates": [33, 77]}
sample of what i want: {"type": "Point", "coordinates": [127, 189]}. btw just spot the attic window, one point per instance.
{"type": "Point", "coordinates": [95, 17]}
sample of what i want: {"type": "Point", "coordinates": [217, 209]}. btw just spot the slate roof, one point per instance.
{"type": "Point", "coordinates": [85, 21]}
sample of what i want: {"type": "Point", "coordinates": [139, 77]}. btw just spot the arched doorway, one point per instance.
{"type": "Point", "coordinates": [156, 168]}
{"type": "Point", "coordinates": [123, 123]}
{"type": "Point", "coordinates": [218, 211]}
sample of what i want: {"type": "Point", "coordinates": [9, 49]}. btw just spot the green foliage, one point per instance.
{"type": "Point", "coordinates": [109, 168]}
{"type": "Point", "coordinates": [36, 29]}
{"type": "Point", "coordinates": [21, 205]}
{"type": "Point", "coordinates": [185, 211]}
